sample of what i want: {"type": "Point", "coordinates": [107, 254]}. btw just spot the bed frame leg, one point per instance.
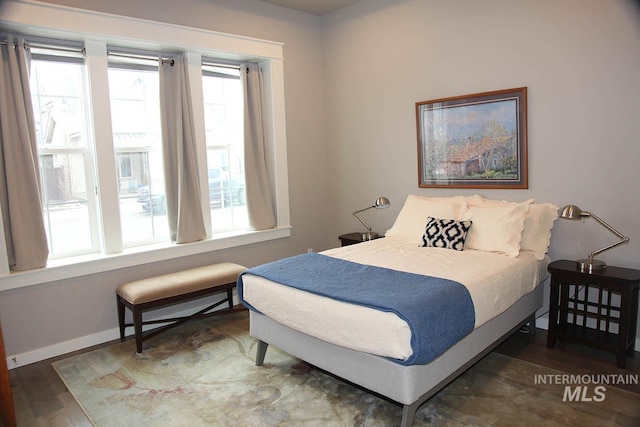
{"type": "Point", "coordinates": [532, 325]}
{"type": "Point", "coordinates": [408, 414]}
{"type": "Point", "coordinates": [262, 350]}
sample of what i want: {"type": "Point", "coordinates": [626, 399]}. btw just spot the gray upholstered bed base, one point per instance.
{"type": "Point", "coordinates": [411, 385]}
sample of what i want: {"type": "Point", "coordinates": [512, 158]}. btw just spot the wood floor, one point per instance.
{"type": "Point", "coordinates": [41, 398]}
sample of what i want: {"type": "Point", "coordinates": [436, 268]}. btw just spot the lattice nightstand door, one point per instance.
{"type": "Point", "coordinates": [599, 309]}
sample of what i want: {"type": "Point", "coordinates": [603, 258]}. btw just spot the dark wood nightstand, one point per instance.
{"type": "Point", "coordinates": [584, 306]}
{"type": "Point", "coordinates": [352, 239]}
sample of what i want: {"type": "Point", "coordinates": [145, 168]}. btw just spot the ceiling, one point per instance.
{"type": "Point", "coordinates": [316, 7]}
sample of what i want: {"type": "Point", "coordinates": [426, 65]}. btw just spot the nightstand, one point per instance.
{"type": "Point", "coordinates": [352, 239]}
{"type": "Point", "coordinates": [584, 306]}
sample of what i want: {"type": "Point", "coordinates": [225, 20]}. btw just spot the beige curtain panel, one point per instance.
{"type": "Point", "coordinates": [19, 171]}
{"type": "Point", "coordinates": [182, 185]}
{"type": "Point", "coordinates": [260, 200]}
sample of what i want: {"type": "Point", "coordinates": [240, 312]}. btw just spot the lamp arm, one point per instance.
{"type": "Point", "coordinates": [362, 210]}
{"type": "Point", "coordinates": [623, 239]}
{"type": "Point", "coordinates": [360, 219]}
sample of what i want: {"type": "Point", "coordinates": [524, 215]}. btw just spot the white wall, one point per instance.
{"type": "Point", "coordinates": [579, 60]}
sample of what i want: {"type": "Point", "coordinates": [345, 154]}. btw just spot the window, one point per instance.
{"type": "Point", "coordinates": [124, 166]}
{"type": "Point", "coordinates": [85, 217]}
{"type": "Point", "coordinates": [225, 147]}
{"type": "Point", "coordinates": [137, 141]}
{"type": "Point", "coordinates": [66, 168]}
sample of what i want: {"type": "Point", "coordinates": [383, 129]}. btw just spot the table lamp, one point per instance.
{"type": "Point", "coordinates": [380, 203]}
{"type": "Point", "coordinates": [590, 264]}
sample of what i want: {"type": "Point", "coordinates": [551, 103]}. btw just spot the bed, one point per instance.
{"type": "Point", "coordinates": [455, 277]}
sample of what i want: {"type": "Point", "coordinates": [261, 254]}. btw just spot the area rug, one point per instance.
{"type": "Point", "coordinates": [203, 374]}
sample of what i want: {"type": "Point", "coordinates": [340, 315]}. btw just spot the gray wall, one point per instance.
{"type": "Point", "coordinates": [579, 60]}
{"type": "Point", "coordinates": [44, 315]}
{"type": "Point", "coordinates": [352, 79]}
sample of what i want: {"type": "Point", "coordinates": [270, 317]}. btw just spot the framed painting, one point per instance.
{"type": "Point", "coordinates": [473, 141]}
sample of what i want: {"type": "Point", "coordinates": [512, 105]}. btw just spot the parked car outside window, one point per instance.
{"type": "Point", "coordinates": [223, 192]}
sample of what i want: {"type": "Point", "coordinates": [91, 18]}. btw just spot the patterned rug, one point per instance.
{"type": "Point", "coordinates": [203, 374]}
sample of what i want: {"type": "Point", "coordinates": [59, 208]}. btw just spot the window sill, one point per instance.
{"type": "Point", "coordinates": [82, 266]}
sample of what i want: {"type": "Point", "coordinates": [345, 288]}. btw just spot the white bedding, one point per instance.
{"type": "Point", "coordinates": [494, 281]}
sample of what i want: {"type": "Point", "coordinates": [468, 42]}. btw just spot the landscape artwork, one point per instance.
{"type": "Point", "coordinates": [473, 141]}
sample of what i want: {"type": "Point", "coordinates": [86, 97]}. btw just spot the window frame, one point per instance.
{"type": "Point", "coordinates": [209, 69]}
{"type": "Point", "coordinates": [86, 151]}
{"type": "Point", "coordinates": [117, 64]}
{"type": "Point", "coordinates": [96, 30]}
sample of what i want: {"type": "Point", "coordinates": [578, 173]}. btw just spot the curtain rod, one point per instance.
{"type": "Point", "coordinates": [171, 61]}
{"type": "Point", "coordinates": [82, 50]}
{"type": "Point", "coordinates": [218, 65]}
{"type": "Point", "coordinates": [143, 57]}
{"type": "Point", "coordinates": [31, 45]}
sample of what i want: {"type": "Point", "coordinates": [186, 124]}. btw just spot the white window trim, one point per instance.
{"type": "Point", "coordinates": [98, 263]}
{"type": "Point", "coordinates": [97, 29]}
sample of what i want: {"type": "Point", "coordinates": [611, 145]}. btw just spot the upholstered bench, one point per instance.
{"type": "Point", "coordinates": [159, 291]}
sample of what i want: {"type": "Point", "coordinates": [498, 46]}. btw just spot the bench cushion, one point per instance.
{"type": "Point", "coordinates": [179, 283]}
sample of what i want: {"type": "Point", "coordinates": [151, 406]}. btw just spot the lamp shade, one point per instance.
{"type": "Point", "coordinates": [573, 212]}
{"type": "Point", "coordinates": [382, 203]}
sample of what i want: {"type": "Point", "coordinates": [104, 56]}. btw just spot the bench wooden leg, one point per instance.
{"type": "Point", "coordinates": [121, 308]}
{"type": "Point", "coordinates": [230, 297]}
{"type": "Point", "coordinates": [137, 327]}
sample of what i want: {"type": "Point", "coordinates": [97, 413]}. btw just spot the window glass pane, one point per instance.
{"type": "Point", "coordinates": [67, 214]}
{"type": "Point", "coordinates": [135, 114]}
{"type": "Point", "coordinates": [58, 99]}
{"type": "Point", "coordinates": [225, 151]}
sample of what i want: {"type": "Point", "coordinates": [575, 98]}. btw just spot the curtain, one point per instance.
{"type": "Point", "coordinates": [20, 191]}
{"type": "Point", "coordinates": [182, 185]}
{"type": "Point", "coordinates": [260, 204]}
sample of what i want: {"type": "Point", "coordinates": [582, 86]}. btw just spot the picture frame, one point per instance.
{"type": "Point", "coordinates": [473, 141]}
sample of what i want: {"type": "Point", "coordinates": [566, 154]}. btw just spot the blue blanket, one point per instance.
{"type": "Point", "coordinates": [438, 311]}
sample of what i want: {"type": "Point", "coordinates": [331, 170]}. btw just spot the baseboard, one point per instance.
{"type": "Point", "coordinates": [18, 360]}
{"type": "Point", "coordinates": [542, 323]}
{"type": "Point", "coordinates": [38, 355]}
{"type": "Point", "coordinates": [58, 349]}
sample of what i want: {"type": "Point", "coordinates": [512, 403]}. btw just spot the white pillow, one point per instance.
{"type": "Point", "coordinates": [537, 229]}
{"type": "Point", "coordinates": [412, 219]}
{"type": "Point", "coordinates": [478, 200]}
{"type": "Point", "coordinates": [497, 227]}
{"type": "Point", "coordinates": [449, 199]}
